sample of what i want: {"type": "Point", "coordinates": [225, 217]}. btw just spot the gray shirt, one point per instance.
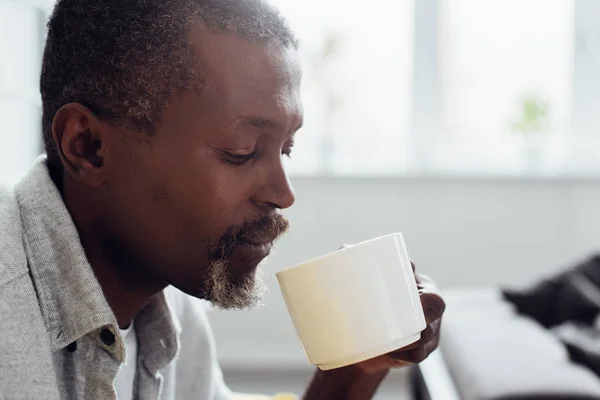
{"type": "Point", "coordinates": [58, 336]}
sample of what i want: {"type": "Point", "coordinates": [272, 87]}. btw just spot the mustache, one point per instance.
{"type": "Point", "coordinates": [270, 226]}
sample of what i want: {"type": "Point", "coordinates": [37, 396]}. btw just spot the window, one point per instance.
{"type": "Point", "coordinates": [21, 44]}
{"type": "Point", "coordinates": [506, 75]}
{"type": "Point", "coordinates": [357, 61]}
{"type": "Point", "coordinates": [498, 87]}
{"type": "Point", "coordinates": [450, 86]}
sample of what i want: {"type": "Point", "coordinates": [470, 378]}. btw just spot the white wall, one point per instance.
{"type": "Point", "coordinates": [463, 232]}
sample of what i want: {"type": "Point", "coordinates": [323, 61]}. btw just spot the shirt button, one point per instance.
{"type": "Point", "coordinates": [107, 337]}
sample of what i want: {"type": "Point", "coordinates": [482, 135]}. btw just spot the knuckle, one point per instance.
{"type": "Point", "coordinates": [427, 335]}
{"type": "Point", "coordinates": [418, 355]}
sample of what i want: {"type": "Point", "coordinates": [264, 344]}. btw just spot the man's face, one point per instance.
{"type": "Point", "coordinates": [197, 204]}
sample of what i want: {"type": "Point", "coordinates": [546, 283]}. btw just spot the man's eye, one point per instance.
{"type": "Point", "coordinates": [239, 159]}
{"type": "Point", "coordinates": [287, 152]}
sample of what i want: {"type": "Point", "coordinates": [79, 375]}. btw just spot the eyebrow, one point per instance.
{"type": "Point", "coordinates": [260, 123]}
{"type": "Point", "coordinates": [257, 122]}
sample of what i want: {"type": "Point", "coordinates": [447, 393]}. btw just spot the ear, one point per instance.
{"type": "Point", "coordinates": [82, 142]}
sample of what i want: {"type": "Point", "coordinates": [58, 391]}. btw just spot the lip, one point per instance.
{"type": "Point", "coordinates": [258, 240]}
{"type": "Point", "coordinates": [253, 250]}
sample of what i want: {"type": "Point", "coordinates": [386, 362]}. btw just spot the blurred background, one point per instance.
{"type": "Point", "coordinates": [471, 126]}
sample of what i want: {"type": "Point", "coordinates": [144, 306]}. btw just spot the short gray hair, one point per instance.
{"type": "Point", "coordinates": [124, 59]}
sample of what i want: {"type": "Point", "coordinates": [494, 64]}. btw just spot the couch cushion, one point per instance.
{"type": "Point", "coordinates": [492, 353]}
{"type": "Point", "coordinates": [582, 342]}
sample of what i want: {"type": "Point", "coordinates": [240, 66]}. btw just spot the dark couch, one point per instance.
{"type": "Point", "coordinates": [489, 351]}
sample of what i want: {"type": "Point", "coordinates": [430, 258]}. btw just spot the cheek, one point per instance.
{"type": "Point", "coordinates": [193, 190]}
{"type": "Point", "coordinates": [201, 198]}
{"type": "Point", "coordinates": [224, 200]}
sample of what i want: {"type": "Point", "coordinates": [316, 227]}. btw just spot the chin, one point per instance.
{"type": "Point", "coordinates": [241, 271]}
{"type": "Point", "coordinates": [246, 291]}
{"type": "Point", "coordinates": [228, 286]}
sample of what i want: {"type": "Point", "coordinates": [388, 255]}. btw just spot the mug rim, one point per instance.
{"type": "Point", "coordinates": [327, 255]}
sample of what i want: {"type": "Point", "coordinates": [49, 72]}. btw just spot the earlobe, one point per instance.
{"type": "Point", "coordinates": [80, 141]}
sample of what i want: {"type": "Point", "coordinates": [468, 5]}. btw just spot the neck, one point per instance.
{"type": "Point", "coordinates": [127, 288]}
{"type": "Point", "coordinates": [125, 293]}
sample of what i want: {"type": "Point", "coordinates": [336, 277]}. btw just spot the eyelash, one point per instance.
{"type": "Point", "coordinates": [241, 159]}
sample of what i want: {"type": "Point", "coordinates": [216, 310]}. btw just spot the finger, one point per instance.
{"type": "Point", "coordinates": [433, 306]}
{"type": "Point", "coordinates": [430, 336]}
{"type": "Point", "coordinates": [382, 363]}
{"type": "Point", "coordinates": [426, 336]}
{"type": "Point", "coordinates": [401, 358]}
{"type": "Point", "coordinates": [415, 356]}
{"type": "Point", "coordinates": [430, 332]}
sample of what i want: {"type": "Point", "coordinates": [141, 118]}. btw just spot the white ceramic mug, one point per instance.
{"type": "Point", "coordinates": [354, 304]}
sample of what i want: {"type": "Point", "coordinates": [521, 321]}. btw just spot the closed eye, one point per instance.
{"type": "Point", "coordinates": [238, 159]}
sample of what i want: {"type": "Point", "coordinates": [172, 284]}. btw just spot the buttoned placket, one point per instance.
{"type": "Point", "coordinates": [148, 381]}
{"type": "Point", "coordinates": [107, 353]}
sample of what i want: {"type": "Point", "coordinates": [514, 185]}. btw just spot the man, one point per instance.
{"type": "Point", "coordinates": [165, 123]}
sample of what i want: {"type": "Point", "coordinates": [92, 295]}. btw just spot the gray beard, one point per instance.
{"type": "Point", "coordinates": [227, 295]}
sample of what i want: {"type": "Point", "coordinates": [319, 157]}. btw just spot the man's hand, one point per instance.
{"type": "Point", "coordinates": [433, 307]}
{"type": "Point", "coordinates": [360, 381]}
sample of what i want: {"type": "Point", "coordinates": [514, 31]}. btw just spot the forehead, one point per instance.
{"type": "Point", "coordinates": [241, 74]}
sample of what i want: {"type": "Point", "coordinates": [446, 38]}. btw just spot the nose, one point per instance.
{"type": "Point", "coordinates": [277, 190]}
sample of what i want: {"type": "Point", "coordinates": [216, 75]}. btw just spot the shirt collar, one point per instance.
{"type": "Point", "coordinates": [71, 299]}
{"type": "Point", "coordinates": [70, 296]}
{"type": "Point", "coordinates": [159, 329]}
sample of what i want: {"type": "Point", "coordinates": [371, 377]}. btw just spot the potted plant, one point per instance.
{"type": "Point", "coordinates": [532, 125]}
